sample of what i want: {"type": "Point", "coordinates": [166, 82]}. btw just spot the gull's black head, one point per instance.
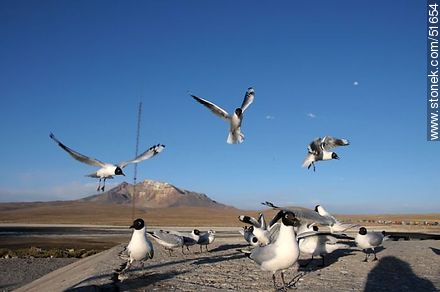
{"type": "Point", "coordinates": [384, 233]}
{"type": "Point", "coordinates": [254, 239]}
{"type": "Point", "coordinates": [288, 218]}
{"type": "Point", "coordinates": [335, 156]}
{"type": "Point", "coordinates": [138, 224]}
{"type": "Point", "coordinates": [196, 232]}
{"type": "Point", "coordinates": [118, 171]}
{"type": "Point", "coordinates": [238, 112]}
{"type": "Point", "coordinates": [362, 231]}
{"type": "Point", "coordinates": [316, 208]}
{"type": "Point", "coordinates": [251, 229]}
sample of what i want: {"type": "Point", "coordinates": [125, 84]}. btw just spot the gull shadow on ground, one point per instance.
{"type": "Point", "coordinates": [217, 259]}
{"type": "Point", "coordinates": [134, 281]}
{"type": "Point", "coordinates": [145, 280]}
{"type": "Point", "coordinates": [435, 250]}
{"type": "Point", "coordinates": [224, 247]}
{"type": "Point", "coordinates": [393, 274]}
{"type": "Point", "coordinates": [316, 263]}
{"type": "Point", "coordinates": [5, 287]}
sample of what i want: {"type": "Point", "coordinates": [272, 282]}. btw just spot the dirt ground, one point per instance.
{"type": "Point", "coordinates": [402, 266]}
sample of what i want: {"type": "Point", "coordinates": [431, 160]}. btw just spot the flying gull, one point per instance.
{"type": "Point", "coordinates": [319, 149]}
{"type": "Point", "coordinates": [107, 170]}
{"type": "Point", "coordinates": [235, 135]}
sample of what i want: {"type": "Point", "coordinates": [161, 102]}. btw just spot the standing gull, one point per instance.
{"type": "Point", "coordinates": [369, 240]}
{"type": "Point", "coordinates": [139, 248]}
{"type": "Point", "coordinates": [320, 244]}
{"type": "Point", "coordinates": [319, 150]}
{"type": "Point", "coordinates": [107, 170]}
{"type": "Point", "coordinates": [167, 239]}
{"type": "Point", "coordinates": [235, 135]}
{"type": "Point", "coordinates": [205, 239]}
{"type": "Point", "coordinates": [283, 252]}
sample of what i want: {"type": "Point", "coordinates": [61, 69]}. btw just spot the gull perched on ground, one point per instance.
{"type": "Point", "coordinates": [107, 170]}
{"type": "Point", "coordinates": [235, 135]}
{"type": "Point", "coordinates": [205, 239]}
{"type": "Point", "coordinates": [319, 150]}
{"type": "Point", "coordinates": [187, 239]}
{"type": "Point", "coordinates": [369, 240]}
{"type": "Point", "coordinates": [337, 226]}
{"type": "Point", "coordinates": [283, 252]}
{"type": "Point", "coordinates": [167, 239]}
{"type": "Point", "coordinates": [320, 243]}
{"type": "Point", "coordinates": [139, 248]}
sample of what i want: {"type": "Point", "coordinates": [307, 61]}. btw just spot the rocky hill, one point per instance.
{"type": "Point", "coordinates": [153, 194]}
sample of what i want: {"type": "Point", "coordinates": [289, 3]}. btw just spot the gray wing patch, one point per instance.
{"type": "Point", "coordinates": [304, 214]}
{"type": "Point", "coordinates": [375, 239]}
{"type": "Point", "coordinates": [214, 108]}
{"type": "Point", "coordinates": [149, 153]}
{"type": "Point", "coordinates": [263, 254]}
{"type": "Point", "coordinates": [329, 142]}
{"type": "Point", "coordinates": [76, 155]}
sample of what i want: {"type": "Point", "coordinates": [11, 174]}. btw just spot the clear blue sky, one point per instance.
{"type": "Point", "coordinates": [351, 69]}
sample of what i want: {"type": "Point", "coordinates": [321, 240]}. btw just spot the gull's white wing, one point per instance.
{"type": "Point", "coordinates": [214, 108]}
{"type": "Point", "coordinates": [329, 142]}
{"type": "Point", "coordinates": [249, 220]}
{"type": "Point", "coordinates": [248, 99]}
{"type": "Point", "coordinates": [150, 152]}
{"type": "Point", "coordinates": [78, 156]}
{"type": "Point", "coordinates": [303, 214]}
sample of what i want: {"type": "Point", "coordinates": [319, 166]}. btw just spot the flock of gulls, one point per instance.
{"type": "Point", "coordinates": [274, 246]}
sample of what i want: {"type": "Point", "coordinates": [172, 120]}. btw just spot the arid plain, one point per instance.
{"type": "Point", "coordinates": [99, 224]}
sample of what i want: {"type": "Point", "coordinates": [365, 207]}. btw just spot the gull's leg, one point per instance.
{"type": "Point", "coordinates": [274, 283]}
{"type": "Point", "coordinates": [375, 257]}
{"type": "Point", "coordinates": [103, 185]}
{"type": "Point", "coordinates": [366, 255]}
{"type": "Point", "coordinates": [282, 279]}
{"type": "Point", "coordinates": [99, 185]}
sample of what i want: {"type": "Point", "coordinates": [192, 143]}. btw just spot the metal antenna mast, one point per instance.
{"type": "Point", "coordinates": [133, 198]}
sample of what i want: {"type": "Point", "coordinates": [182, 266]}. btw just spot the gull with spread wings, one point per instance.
{"type": "Point", "coordinates": [235, 135]}
{"type": "Point", "coordinates": [319, 149]}
{"type": "Point", "coordinates": [107, 170]}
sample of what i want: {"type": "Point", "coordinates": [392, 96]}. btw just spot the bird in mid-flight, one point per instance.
{"type": "Point", "coordinates": [107, 170]}
{"type": "Point", "coordinates": [319, 149]}
{"type": "Point", "coordinates": [235, 119]}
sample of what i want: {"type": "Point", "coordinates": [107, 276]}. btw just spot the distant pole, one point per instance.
{"type": "Point", "coordinates": [138, 131]}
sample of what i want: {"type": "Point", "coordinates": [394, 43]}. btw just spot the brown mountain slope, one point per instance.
{"type": "Point", "coordinates": [153, 194]}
